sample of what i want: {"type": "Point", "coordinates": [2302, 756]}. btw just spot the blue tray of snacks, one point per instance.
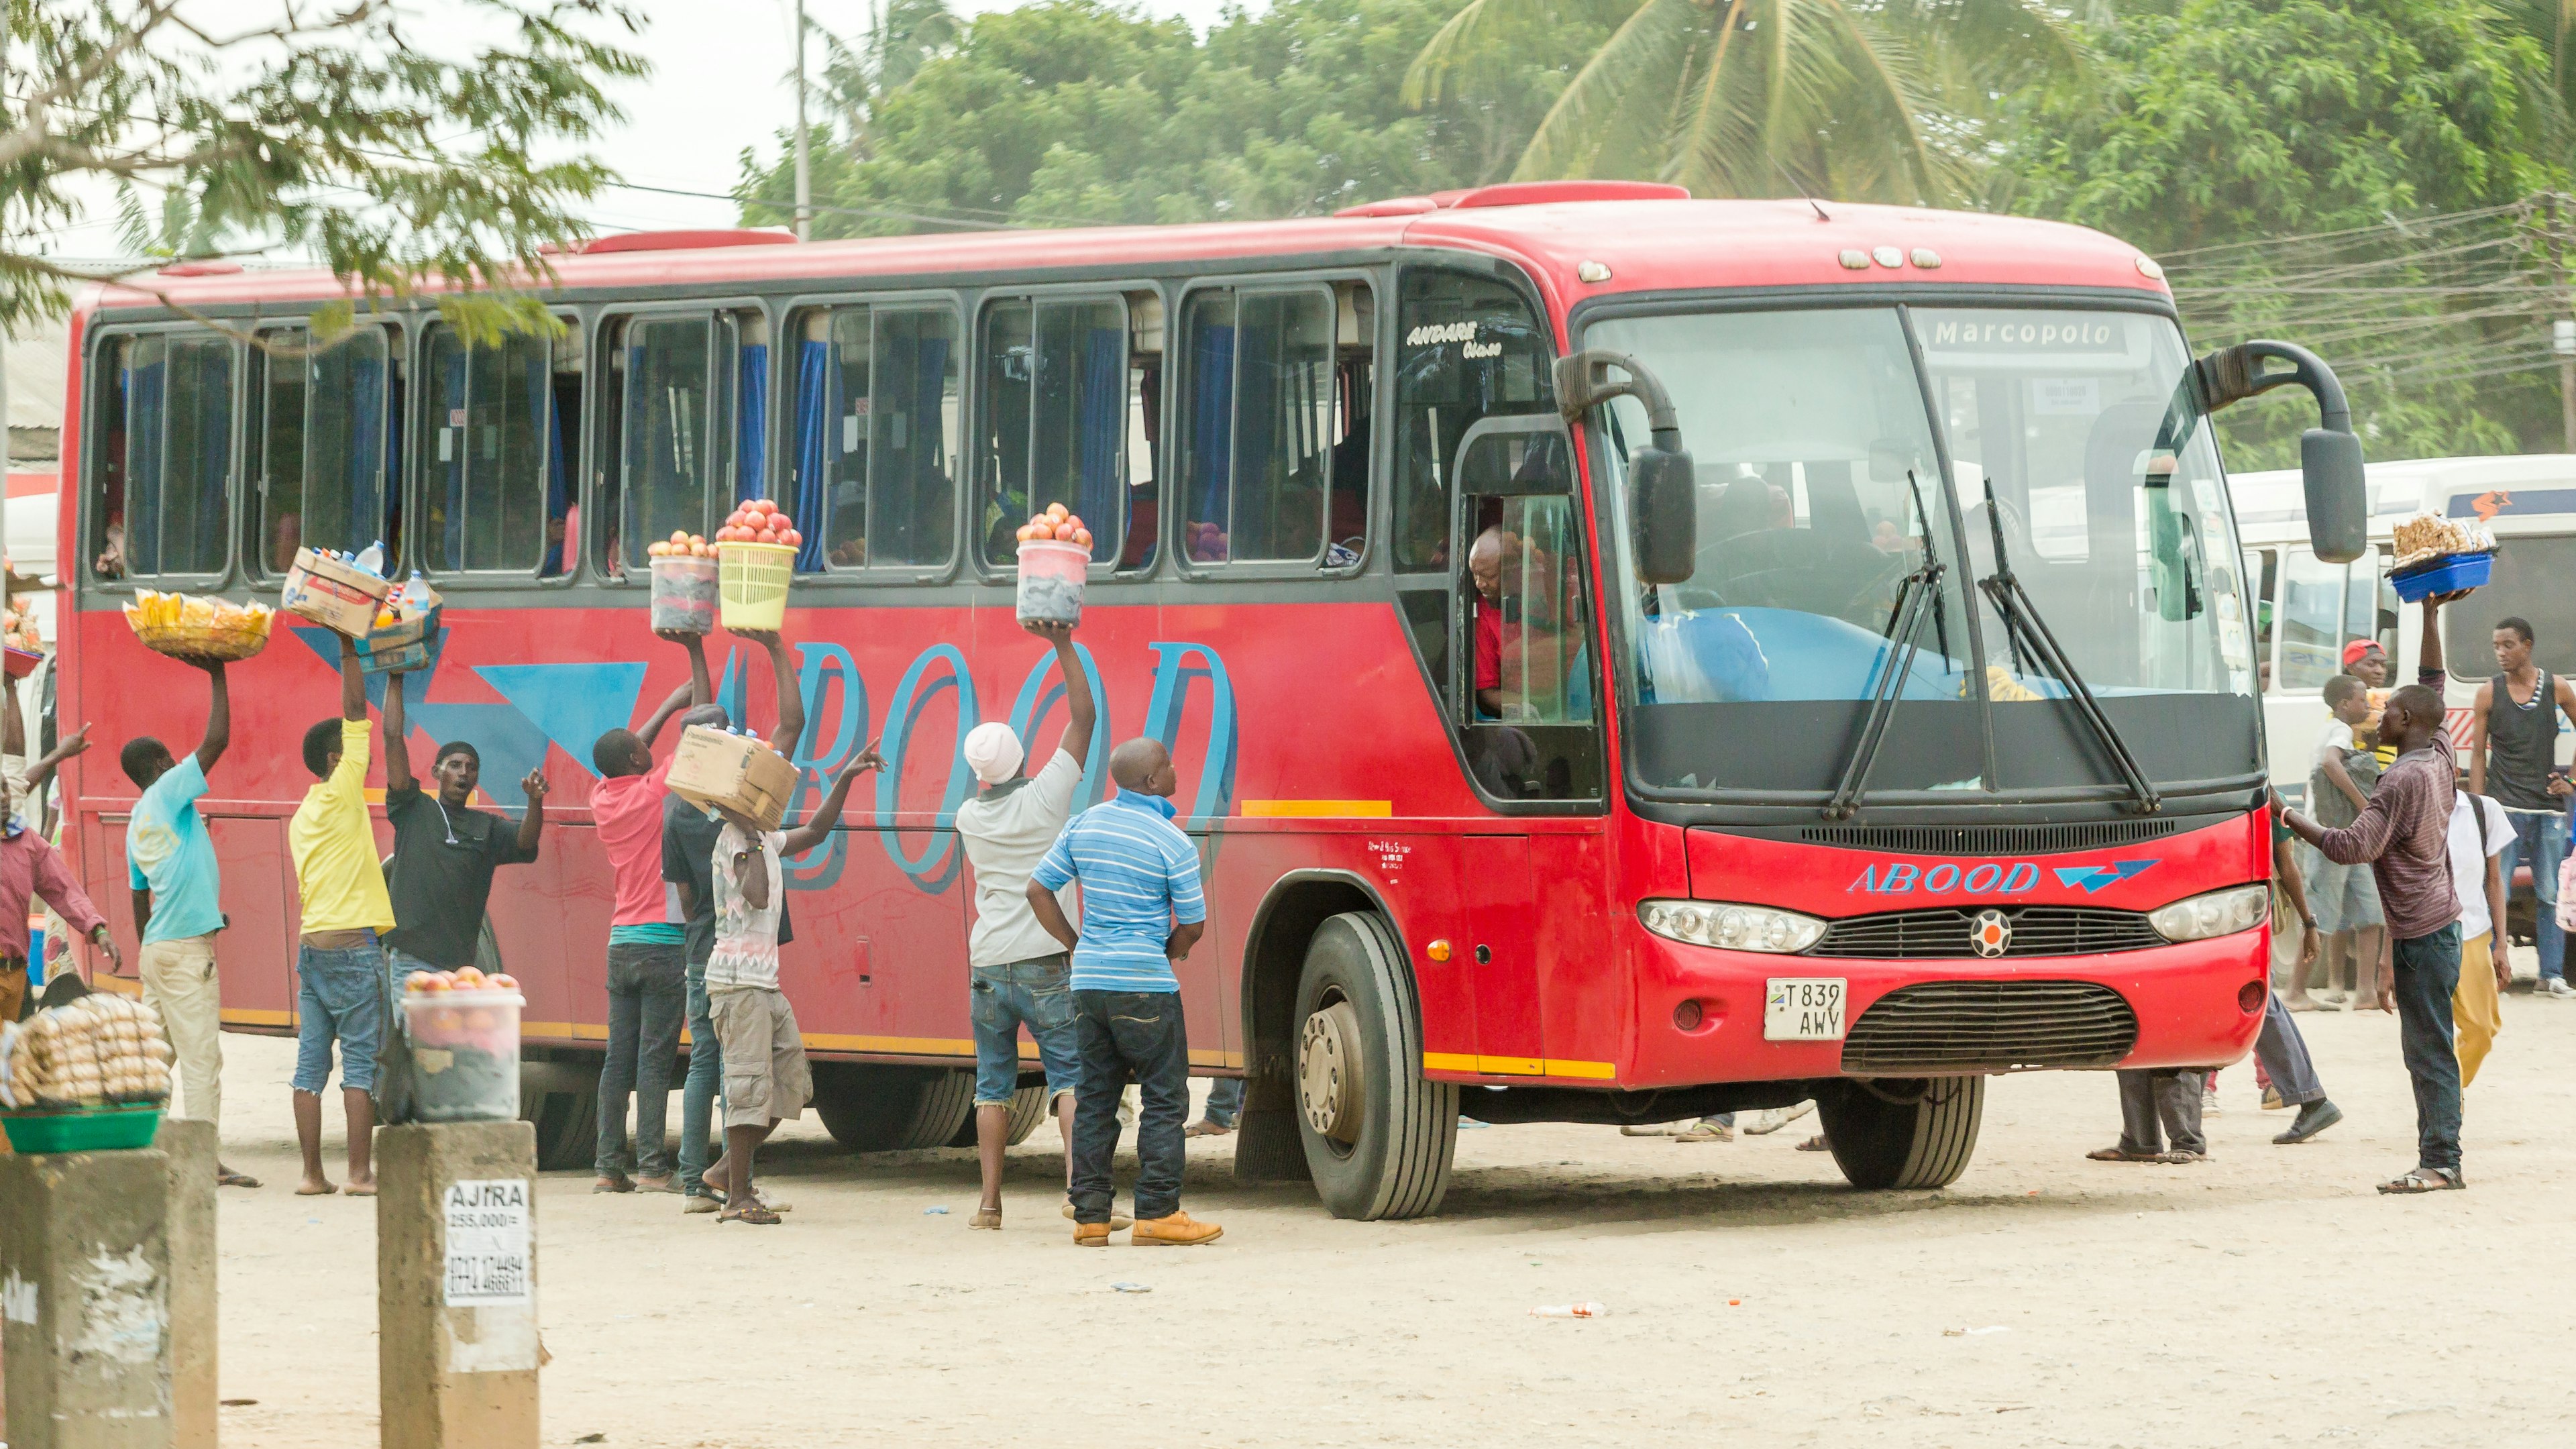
{"type": "Point", "coordinates": [2448, 574]}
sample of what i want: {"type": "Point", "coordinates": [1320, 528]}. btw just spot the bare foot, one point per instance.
{"type": "Point", "coordinates": [357, 1188]}
{"type": "Point", "coordinates": [2301, 1002]}
{"type": "Point", "coordinates": [315, 1187]}
{"type": "Point", "coordinates": [226, 1177]}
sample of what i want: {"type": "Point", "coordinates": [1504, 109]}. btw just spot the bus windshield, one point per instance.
{"type": "Point", "coordinates": [1819, 497]}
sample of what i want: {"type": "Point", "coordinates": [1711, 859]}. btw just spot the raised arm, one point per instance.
{"type": "Point", "coordinates": [791, 699]}
{"type": "Point", "coordinates": [398, 776]}
{"type": "Point", "coordinates": [353, 681]}
{"type": "Point", "coordinates": [533, 823]}
{"type": "Point", "coordinates": [43, 770]}
{"type": "Point", "coordinates": [2429, 668]}
{"type": "Point", "coordinates": [219, 716]}
{"type": "Point", "coordinates": [698, 692]}
{"type": "Point", "coordinates": [818, 826]}
{"type": "Point", "coordinates": [1082, 712]}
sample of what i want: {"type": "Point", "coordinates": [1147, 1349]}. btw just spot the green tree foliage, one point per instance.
{"type": "Point", "coordinates": [1073, 111]}
{"type": "Point", "coordinates": [394, 157]}
{"type": "Point", "coordinates": [1880, 100]}
{"type": "Point", "coordinates": [2209, 131]}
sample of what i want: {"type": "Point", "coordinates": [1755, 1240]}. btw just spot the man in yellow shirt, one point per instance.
{"type": "Point", "coordinates": [340, 962]}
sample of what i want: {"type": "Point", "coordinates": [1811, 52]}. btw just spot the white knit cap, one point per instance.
{"type": "Point", "coordinates": [993, 752]}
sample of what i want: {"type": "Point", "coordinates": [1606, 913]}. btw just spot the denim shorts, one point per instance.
{"type": "Point", "coordinates": [1039, 995]}
{"type": "Point", "coordinates": [341, 997]}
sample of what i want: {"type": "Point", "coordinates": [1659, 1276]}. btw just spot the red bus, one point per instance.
{"type": "Point", "coordinates": [1628, 656]}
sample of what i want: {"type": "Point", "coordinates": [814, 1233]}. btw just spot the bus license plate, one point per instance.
{"type": "Point", "coordinates": [1803, 1008]}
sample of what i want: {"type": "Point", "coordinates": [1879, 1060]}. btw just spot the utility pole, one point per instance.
{"type": "Point", "coordinates": [804, 160]}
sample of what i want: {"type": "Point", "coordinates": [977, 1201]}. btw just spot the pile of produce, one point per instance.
{"type": "Point", "coordinates": [1059, 524]}
{"type": "Point", "coordinates": [469, 979]}
{"type": "Point", "coordinates": [760, 521]}
{"type": "Point", "coordinates": [682, 545]}
{"type": "Point", "coordinates": [2426, 536]}
{"type": "Point", "coordinates": [187, 626]}
{"type": "Point", "coordinates": [1206, 542]}
{"type": "Point", "coordinates": [464, 1032]}
{"type": "Point", "coordinates": [19, 631]}
{"type": "Point", "coordinates": [98, 1051]}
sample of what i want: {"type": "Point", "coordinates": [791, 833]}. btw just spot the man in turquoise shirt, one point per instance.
{"type": "Point", "coordinates": [178, 906]}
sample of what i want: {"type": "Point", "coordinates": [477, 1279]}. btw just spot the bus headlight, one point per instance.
{"type": "Point", "coordinates": [1736, 928]}
{"type": "Point", "coordinates": [2219, 913]}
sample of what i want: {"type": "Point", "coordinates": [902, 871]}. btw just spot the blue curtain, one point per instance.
{"type": "Point", "coordinates": [818, 387]}
{"type": "Point", "coordinates": [1103, 421]}
{"type": "Point", "coordinates": [558, 479]}
{"type": "Point", "coordinates": [751, 480]}
{"type": "Point", "coordinates": [453, 380]}
{"type": "Point", "coordinates": [1212, 422]}
{"type": "Point", "coordinates": [145, 402]}
{"type": "Point", "coordinates": [366, 456]}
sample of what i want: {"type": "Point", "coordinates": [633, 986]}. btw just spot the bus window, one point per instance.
{"type": "Point", "coordinates": [1467, 348]}
{"type": "Point", "coordinates": [873, 451]}
{"type": "Point", "coordinates": [321, 446]}
{"type": "Point", "coordinates": [1531, 708]}
{"type": "Point", "coordinates": [2317, 613]}
{"type": "Point", "coordinates": [1060, 390]}
{"type": "Point", "coordinates": [2529, 583]}
{"type": "Point", "coordinates": [497, 495]}
{"type": "Point", "coordinates": [2263, 567]}
{"type": "Point", "coordinates": [667, 443]}
{"type": "Point", "coordinates": [1264, 429]}
{"type": "Point", "coordinates": [167, 457]}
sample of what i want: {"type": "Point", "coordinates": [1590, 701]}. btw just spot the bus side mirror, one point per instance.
{"type": "Point", "coordinates": [1663, 501]}
{"type": "Point", "coordinates": [1663, 507]}
{"type": "Point", "coordinates": [2330, 463]}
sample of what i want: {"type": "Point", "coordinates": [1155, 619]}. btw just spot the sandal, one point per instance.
{"type": "Point", "coordinates": [229, 1178]}
{"type": "Point", "coordinates": [1816, 1143]}
{"type": "Point", "coordinates": [986, 1218]}
{"type": "Point", "coordinates": [2426, 1179]}
{"type": "Point", "coordinates": [752, 1214]}
{"type": "Point", "coordinates": [2122, 1154]}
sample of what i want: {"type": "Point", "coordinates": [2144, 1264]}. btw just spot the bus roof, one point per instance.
{"type": "Point", "coordinates": [1648, 245]}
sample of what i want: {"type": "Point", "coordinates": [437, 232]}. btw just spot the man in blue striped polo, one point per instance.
{"type": "Point", "coordinates": [1142, 910]}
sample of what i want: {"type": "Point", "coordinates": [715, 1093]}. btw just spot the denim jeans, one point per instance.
{"type": "Point", "coordinates": [2427, 972]}
{"type": "Point", "coordinates": [2540, 841]}
{"type": "Point", "coordinates": [704, 1085]}
{"type": "Point", "coordinates": [2160, 1109]}
{"type": "Point", "coordinates": [1038, 993]}
{"type": "Point", "coordinates": [648, 993]}
{"type": "Point", "coordinates": [1124, 1034]}
{"type": "Point", "coordinates": [339, 996]}
{"type": "Point", "coordinates": [2283, 1053]}
{"type": "Point", "coordinates": [1225, 1102]}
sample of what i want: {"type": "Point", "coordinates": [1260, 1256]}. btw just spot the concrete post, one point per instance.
{"type": "Point", "coordinates": [85, 1300]}
{"type": "Point", "coordinates": [190, 1227]}
{"type": "Point", "coordinates": [456, 1352]}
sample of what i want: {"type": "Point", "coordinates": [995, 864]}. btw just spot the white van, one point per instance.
{"type": "Point", "coordinates": [2307, 611]}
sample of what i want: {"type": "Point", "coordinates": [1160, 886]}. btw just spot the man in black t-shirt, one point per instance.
{"type": "Point", "coordinates": [688, 867]}
{"type": "Point", "coordinates": [445, 852]}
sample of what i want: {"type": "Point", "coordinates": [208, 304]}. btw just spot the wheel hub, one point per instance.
{"type": "Point", "coordinates": [1328, 1082]}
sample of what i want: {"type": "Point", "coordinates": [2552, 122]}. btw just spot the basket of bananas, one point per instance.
{"type": "Point", "coordinates": [189, 626]}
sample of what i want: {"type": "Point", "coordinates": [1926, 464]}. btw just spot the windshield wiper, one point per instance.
{"type": "Point", "coordinates": [2029, 637]}
{"type": "Point", "coordinates": [1919, 589]}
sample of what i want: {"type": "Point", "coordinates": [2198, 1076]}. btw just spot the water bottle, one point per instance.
{"type": "Point", "coordinates": [415, 592]}
{"type": "Point", "coordinates": [371, 559]}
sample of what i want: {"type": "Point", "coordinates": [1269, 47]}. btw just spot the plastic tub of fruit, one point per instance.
{"type": "Point", "coordinates": [684, 585]}
{"type": "Point", "coordinates": [464, 1030]}
{"type": "Point", "coordinates": [1055, 562]}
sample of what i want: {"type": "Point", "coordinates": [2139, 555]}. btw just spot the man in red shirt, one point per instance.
{"type": "Point", "coordinates": [648, 964]}
{"type": "Point", "coordinates": [1486, 562]}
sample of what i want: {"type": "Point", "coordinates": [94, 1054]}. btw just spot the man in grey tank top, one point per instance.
{"type": "Point", "coordinates": [2515, 759]}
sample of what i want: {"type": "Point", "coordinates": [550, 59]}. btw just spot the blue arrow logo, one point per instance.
{"type": "Point", "coordinates": [2092, 878]}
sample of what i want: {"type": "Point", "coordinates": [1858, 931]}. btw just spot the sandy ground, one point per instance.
{"type": "Point", "coordinates": [2266, 1297]}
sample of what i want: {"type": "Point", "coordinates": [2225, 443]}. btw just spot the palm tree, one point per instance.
{"type": "Point", "coordinates": [1860, 99]}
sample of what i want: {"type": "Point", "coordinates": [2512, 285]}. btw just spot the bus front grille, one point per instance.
{"type": "Point", "coordinates": [1989, 839]}
{"type": "Point", "coordinates": [2036, 931]}
{"type": "Point", "coordinates": [1990, 1026]}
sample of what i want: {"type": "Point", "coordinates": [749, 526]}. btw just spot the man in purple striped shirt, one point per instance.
{"type": "Point", "coordinates": [2404, 833]}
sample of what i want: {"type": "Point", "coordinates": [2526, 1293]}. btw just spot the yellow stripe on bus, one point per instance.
{"type": "Point", "coordinates": [1318, 809]}
{"type": "Point", "coordinates": [244, 1016]}
{"type": "Point", "coordinates": [1517, 1066]}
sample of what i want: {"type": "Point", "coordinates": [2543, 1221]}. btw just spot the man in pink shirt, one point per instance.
{"type": "Point", "coordinates": [647, 945]}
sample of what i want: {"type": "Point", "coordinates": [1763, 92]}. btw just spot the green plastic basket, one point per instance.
{"type": "Point", "coordinates": [100, 1129]}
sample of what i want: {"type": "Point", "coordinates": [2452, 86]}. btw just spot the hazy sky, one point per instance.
{"type": "Point", "coordinates": [721, 73]}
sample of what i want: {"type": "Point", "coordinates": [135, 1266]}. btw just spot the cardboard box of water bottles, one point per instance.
{"type": "Point", "coordinates": [334, 592]}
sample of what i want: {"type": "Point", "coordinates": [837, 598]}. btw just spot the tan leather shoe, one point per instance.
{"type": "Point", "coordinates": [1118, 1223]}
{"type": "Point", "coordinates": [1177, 1231]}
{"type": "Point", "coordinates": [1091, 1235]}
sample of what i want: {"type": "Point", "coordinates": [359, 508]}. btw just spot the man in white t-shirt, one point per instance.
{"type": "Point", "coordinates": [1022, 975]}
{"type": "Point", "coordinates": [2477, 878]}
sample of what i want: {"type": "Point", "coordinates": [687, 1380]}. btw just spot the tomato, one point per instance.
{"type": "Point", "coordinates": [1082, 536]}
{"type": "Point", "coordinates": [791, 538]}
{"type": "Point", "coordinates": [1058, 512]}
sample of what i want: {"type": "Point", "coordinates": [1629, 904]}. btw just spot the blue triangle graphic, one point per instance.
{"type": "Point", "coordinates": [510, 745]}
{"type": "Point", "coordinates": [572, 704]}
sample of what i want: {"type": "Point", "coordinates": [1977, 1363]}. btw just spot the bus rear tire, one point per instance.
{"type": "Point", "coordinates": [1378, 1137]}
{"type": "Point", "coordinates": [1922, 1143]}
{"type": "Point", "coordinates": [567, 1126]}
{"type": "Point", "coordinates": [870, 1108]}
{"type": "Point", "coordinates": [1028, 1105]}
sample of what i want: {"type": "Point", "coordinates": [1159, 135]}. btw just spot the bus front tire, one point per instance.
{"type": "Point", "coordinates": [1378, 1137]}
{"type": "Point", "coordinates": [1889, 1135]}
